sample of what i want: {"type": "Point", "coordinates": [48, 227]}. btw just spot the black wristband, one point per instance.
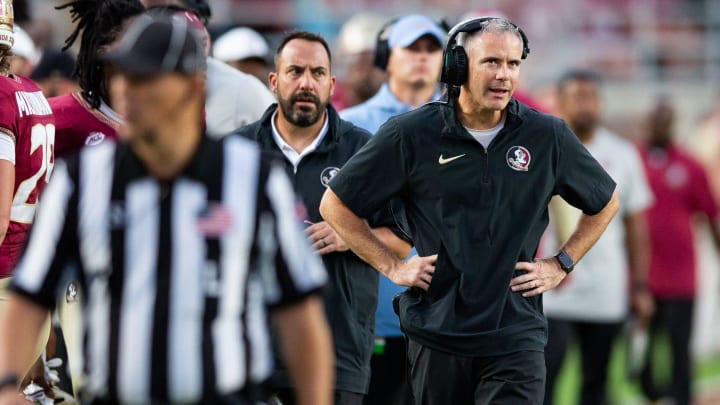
{"type": "Point", "coordinates": [9, 379]}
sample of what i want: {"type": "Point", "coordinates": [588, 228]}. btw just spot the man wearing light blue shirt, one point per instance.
{"type": "Point", "coordinates": [410, 50]}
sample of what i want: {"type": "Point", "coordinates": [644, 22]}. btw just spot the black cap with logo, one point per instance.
{"type": "Point", "coordinates": [153, 45]}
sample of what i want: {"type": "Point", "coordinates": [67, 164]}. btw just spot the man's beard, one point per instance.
{"type": "Point", "coordinates": [303, 116]}
{"type": "Point", "coordinates": [585, 124]}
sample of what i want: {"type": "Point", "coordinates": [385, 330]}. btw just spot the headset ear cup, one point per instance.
{"type": "Point", "coordinates": [382, 54]}
{"type": "Point", "coordinates": [455, 66]}
{"type": "Point", "coordinates": [461, 65]}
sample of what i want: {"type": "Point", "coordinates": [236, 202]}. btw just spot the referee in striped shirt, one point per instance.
{"type": "Point", "coordinates": [181, 243]}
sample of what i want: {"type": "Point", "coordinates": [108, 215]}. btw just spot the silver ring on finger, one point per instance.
{"type": "Point", "coordinates": [324, 243]}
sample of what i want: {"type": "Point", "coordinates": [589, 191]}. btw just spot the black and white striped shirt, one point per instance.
{"type": "Point", "coordinates": [177, 274]}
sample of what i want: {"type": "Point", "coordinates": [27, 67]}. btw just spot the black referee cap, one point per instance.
{"type": "Point", "coordinates": [154, 45]}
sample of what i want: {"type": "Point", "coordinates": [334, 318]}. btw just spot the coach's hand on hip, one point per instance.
{"type": "Point", "coordinates": [542, 275]}
{"type": "Point", "coordinates": [416, 272]}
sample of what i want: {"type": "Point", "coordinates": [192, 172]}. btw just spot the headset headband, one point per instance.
{"type": "Point", "coordinates": [479, 24]}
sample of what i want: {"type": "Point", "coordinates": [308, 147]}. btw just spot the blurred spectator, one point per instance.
{"type": "Point", "coordinates": [42, 32]}
{"type": "Point", "coordinates": [54, 73]}
{"type": "Point", "coordinates": [26, 56]}
{"type": "Point", "coordinates": [591, 305]}
{"type": "Point", "coordinates": [412, 57]}
{"type": "Point", "coordinates": [682, 191]}
{"type": "Point", "coordinates": [704, 143]}
{"type": "Point", "coordinates": [246, 50]}
{"type": "Point", "coordinates": [233, 98]}
{"type": "Point", "coordinates": [359, 78]}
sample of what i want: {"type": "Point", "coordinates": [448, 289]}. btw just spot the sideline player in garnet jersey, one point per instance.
{"type": "Point", "coordinates": [27, 133]}
{"type": "Point", "coordinates": [84, 117]}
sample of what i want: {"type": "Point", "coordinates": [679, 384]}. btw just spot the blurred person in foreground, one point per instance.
{"type": "Point", "coordinates": [85, 118]}
{"type": "Point", "coordinates": [181, 248]}
{"type": "Point", "coordinates": [359, 78]}
{"type": "Point", "coordinates": [682, 192]}
{"type": "Point", "coordinates": [27, 133]}
{"type": "Point", "coordinates": [410, 51]}
{"type": "Point", "coordinates": [591, 305]}
{"type": "Point", "coordinates": [306, 130]}
{"type": "Point", "coordinates": [475, 175]}
{"type": "Point", "coordinates": [244, 49]}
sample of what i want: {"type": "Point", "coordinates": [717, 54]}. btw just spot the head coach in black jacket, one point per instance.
{"type": "Point", "coordinates": [475, 174]}
{"type": "Point", "coordinates": [306, 130]}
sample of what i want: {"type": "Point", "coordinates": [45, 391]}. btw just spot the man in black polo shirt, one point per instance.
{"type": "Point", "coordinates": [475, 175]}
{"type": "Point", "coordinates": [316, 143]}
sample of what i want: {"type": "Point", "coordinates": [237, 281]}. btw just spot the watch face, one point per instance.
{"type": "Point", "coordinates": [565, 261]}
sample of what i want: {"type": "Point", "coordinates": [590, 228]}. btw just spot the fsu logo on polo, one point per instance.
{"type": "Point", "coordinates": [518, 158]}
{"type": "Point", "coordinates": [327, 174]}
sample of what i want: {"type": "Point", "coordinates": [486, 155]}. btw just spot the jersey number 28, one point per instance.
{"type": "Point", "coordinates": [23, 206]}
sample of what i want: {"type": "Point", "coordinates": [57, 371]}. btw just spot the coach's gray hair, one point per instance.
{"type": "Point", "coordinates": [495, 26]}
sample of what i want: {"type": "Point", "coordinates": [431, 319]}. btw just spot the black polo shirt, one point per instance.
{"type": "Point", "coordinates": [480, 211]}
{"type": "Point", "coordinates": [350, 295]}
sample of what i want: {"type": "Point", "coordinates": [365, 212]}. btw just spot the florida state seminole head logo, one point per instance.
{"type": "Point", "coordinates": [518, 158]}
{"type": "Point", "coordinates": [327, 174]}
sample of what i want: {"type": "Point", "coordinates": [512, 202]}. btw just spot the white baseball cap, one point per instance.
{"type": "Point", "coordinates": [240, 43]}
{"type": "Point", "coordinates": [24, 46]}
{"type": "Point", "coordinates": [359, 32]}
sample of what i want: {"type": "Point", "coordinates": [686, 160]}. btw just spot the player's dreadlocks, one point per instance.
{"type": "Point", "coordinates": [101, 22]}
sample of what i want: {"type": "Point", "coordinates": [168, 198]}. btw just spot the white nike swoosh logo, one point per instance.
{"type": "Point", "coordinates": [450, 159]}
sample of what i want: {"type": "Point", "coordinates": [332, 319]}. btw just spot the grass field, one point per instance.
{"type": "Point", "coordinates": [706, 381]}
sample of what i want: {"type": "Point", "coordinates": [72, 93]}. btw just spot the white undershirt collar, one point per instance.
{"type": "Point", "coordinates": [291, 154]}
{"type": "Point", "coordinates": [485, 136]}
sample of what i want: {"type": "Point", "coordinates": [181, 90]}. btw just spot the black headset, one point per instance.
{"type": "Point", "coordinates": [382, 47]}
{"type": "Point", "coordinates": [455, 64]}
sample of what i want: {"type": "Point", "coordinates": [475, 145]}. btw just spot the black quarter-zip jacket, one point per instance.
{"type": "Point", "coordinates": [350, 295]}
{"type": "Point", "coordinates": [480, 210]}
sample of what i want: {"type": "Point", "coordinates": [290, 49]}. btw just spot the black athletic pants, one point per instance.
{"type": "Point", "coordinates": [673, 318]}
{"type": "Point", "coordinates": [388, 381]}
{"type": "Point", "coordinates": [595, 341]}
{"type": "Point", "coordinates": [439, 378]}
